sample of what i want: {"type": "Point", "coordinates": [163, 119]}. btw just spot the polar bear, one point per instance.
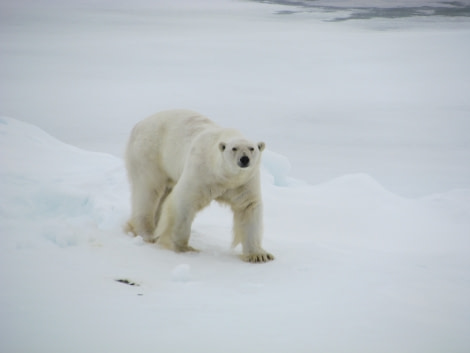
{"type": "Point", "coordinates": [178, 161]}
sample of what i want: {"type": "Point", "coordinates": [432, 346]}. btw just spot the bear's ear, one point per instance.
{"type": "Point", "coordinates": [261, 146]}
{"type": "Point", "coordinates": [222, 146]}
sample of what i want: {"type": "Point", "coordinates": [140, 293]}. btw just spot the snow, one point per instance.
{"type": "Point", "coordinates": [366, 180]}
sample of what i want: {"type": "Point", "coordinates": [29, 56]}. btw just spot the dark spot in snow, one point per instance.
{"type": "Point", "coordinates": [126, 281]}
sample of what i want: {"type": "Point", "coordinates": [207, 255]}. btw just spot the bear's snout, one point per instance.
{"type": "Point", "coordinates": [244, 162]}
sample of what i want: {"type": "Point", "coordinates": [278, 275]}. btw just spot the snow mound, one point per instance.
{"type": "Point", "coordinates": [181, 273]}
{"type": "Point", "coordinates": [57, 187]}
{"type": "Point", "coordinates": [278, 166]}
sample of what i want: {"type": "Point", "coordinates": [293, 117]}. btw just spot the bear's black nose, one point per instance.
{"type": "Point", "coordinates": [244, 161]}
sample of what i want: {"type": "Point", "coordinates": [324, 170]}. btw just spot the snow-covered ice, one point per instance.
{"type": "Point", "coordinates": [366, 180]}
{"type": "Point", "coordinates": [358, 268]}
{"type": "Point", "coordinates": [385, 97]}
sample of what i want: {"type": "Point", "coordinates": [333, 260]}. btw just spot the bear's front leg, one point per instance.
{"type": "Point", "coordinates": [247, 227]}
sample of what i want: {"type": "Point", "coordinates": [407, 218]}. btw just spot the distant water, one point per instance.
{"type": "Point", "coordinates": [367, 9]}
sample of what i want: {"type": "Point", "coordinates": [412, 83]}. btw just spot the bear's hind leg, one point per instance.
{"type": "Point", "coordinates": [174, 227]}
{"type": "Point", "coordinates": [163, 195]}
{"type": "Point", "coordinates": [145, 202]}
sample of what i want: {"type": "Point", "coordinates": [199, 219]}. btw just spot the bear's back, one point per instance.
{"type": "Point", "coordinates": [166, 138]}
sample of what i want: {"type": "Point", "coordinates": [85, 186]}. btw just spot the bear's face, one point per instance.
{"type": "Point", "coordinates": [241, 153]}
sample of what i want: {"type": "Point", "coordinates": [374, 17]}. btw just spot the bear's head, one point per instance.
{"type": "Point", "coordinates": [241, 153]}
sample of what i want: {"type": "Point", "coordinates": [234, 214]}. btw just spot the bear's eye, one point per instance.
{"type": "Point", "coordinates": [251, 149]}
{"type": "Point", "coordinates": [234, 149]}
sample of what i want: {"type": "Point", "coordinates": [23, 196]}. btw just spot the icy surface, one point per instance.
{"type": "Point", "coordinates": [386, 97]}
{"type": "Point", "coordinates": [357, 268]}
{"type": "Point", "coordinates": [355, 115]}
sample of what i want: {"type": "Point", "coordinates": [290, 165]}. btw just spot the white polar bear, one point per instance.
{"type": "Point", "coordinates": [178, 161]}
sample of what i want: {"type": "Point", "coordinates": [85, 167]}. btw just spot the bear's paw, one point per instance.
{"type": "Point", "coordinates": [184, 248]}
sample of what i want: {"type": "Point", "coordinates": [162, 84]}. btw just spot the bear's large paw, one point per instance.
{"type": "Point", "coordinates": [258, 258]}
{"type": "Point", "coordinates": [170, 245]}
{"type": "Point", "coordinates": [129, 228]}
{"type": "Point", "coordinates": [184, 248]}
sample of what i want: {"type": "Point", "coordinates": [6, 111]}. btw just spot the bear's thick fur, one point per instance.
{"type": "Point", "coordinates": [178, 161]}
